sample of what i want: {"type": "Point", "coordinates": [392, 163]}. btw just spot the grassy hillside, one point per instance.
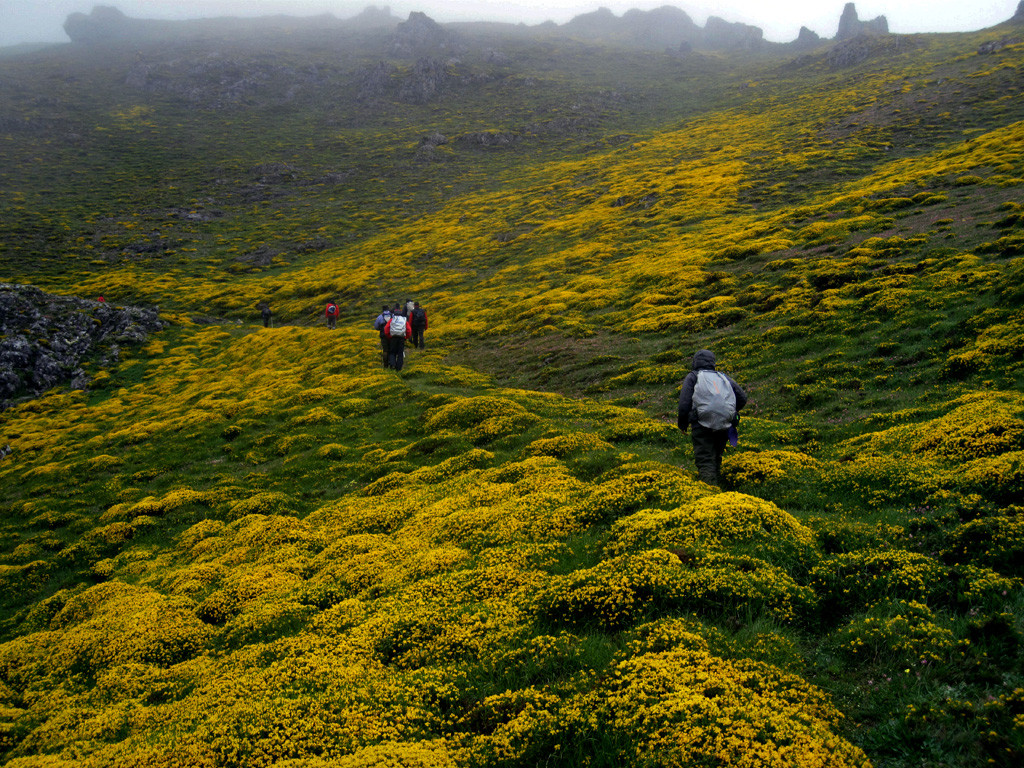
{"type": "Point", "coordinates": [254, 547]}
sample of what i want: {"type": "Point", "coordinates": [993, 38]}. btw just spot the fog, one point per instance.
{"type": "Point", "coordinates": [24, 21]}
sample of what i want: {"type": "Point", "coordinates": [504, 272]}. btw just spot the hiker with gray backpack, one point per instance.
{"type": "Point", "coordinates": [709, 402]}
{"type": "Point", "coordinates": [398, 331]}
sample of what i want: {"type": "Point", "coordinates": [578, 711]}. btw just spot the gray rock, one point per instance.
{"type": "Point", "coordinates": [850, 26]}
{"type": "Point", "coordinates": [419, 36]}
{"type": "Point", "coordinates": [44, 338]}
{"type": "Point", "coordinates": [723, 35]}
{"type": "Point", "coordinates": [807, 39]}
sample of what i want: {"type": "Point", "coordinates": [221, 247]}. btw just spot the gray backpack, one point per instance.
{"type": "Point", "coordinates": [397, 326]}
{"type": "Point", "coordinates": [714, 400]}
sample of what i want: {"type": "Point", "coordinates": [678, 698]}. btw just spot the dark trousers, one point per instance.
{"type": "Point", "coordinates": [331, 321]}
{"type": "Point", "coordinates": [417, 336]}
{"type": "Point", "coordinates": [708, 447]}
{"type": "Point", "coordinates": [385, 349]}
{"type": "Point", "coordinates": [396, 353]}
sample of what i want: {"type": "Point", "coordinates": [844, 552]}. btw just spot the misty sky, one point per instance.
{"type": "Point", "coordinates": [41, 20]}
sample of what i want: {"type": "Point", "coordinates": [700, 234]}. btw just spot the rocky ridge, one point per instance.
{"type": "Point", "coordinates": [661, 28]}
{"type": "Point", "coordinates": [45, 339]}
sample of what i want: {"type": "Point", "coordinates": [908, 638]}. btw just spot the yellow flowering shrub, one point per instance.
{"type": "Point", "coordinates": [997, 542]}
{"type": "Point", "coordinates": [900, 632]}
{"type": "Point", "coordinates": [115, 623]}
{"type": "Point", "coordinates": [857, 580]}
{"type": "Point", "coordinates": [669, 634]}
{"type": "Point", "coordinates": [620, 591]}
{"type": "Point", "coordinates": [318, 416]}
{"type": "Point", "coordinates": [513, 472]}
{"type": "Point", "coordinates": [467, 412]}
{"type": "Point", "coordinates": [758, 467]}
{"type": "Point", "coordinates": [104, 461]}
{"type": "Point", "coordinates": [614, 594]}
{"type": "Point", "coordinates": [688, 707]}
{"type": "Point", "coordinates": [623, 430]}
{"type": "Point", "coordinates": [719, 582]}
{"type": "Point", "coordinates": [563, 445]}
{"type": "Point", "coordinates": [416, 754]}
{"type": "Point", "coordinates": [984, 425]}
{"type": "Point", "coordinates": [974, 588]}
{"type": "Point", "coordinates": [719, 521]}
{"type": "Point", "coordinates": [449, 468]}
{"type": "Point", "coordinates": [632, 487]}
{"type": "Point", "coordinates": [1000, 477]}
{"type": "Point", "coordinates": [265, 503]}
{"type": "Point", "coordinates": [880, 481]}
{"type": "Point", "coordinates": [520, 727]}
{"type": "Point", "coordinates": [265, 621]}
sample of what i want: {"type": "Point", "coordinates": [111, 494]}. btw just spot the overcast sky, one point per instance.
{"type": "Point", "coordinates": [42, 20]}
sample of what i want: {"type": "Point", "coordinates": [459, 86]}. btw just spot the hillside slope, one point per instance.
{"type": "Point", "coordinates": [242, 546]}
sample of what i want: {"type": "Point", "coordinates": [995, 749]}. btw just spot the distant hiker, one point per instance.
{"type": "Point", "coordinates": [266, 314]}
{"type": "Point", "coordinates": [410, 305]}
{"type": "Point", "coordinates": [397, 330]}
{"type": "Point", "coordinates": [708, 403]}
{"type": "Point", "coordinates": [331, 312]}
{"type": "Point", "coordinates": [101, 300]}
{"type": "Point", "coordinates": [418, 320]}
{"type": "Point", "coordinates": [379, 325]}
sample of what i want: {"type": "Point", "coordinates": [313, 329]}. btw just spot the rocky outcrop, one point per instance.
{"type": "Point", "coordinates": [666, 27]}
{"type": "Point", "coordinates": [850, 26]}
{"type": "Point", "coordinates": [429, 144]}
{"type": "Point", "coordinates": [720, 34]}
{"type": "Point", "coordinates": [807, 39]}
{"type": "Point", "coordinates": [106, 24]}
{"type": "Point", "coordinates": [599, 23]}
{"type": "Point", "coordinates": [420, 36]}
{"type": "Point", "coordinates": [849, 53]}
{"type": "Point", "coordinates": [45, 339]}
{"type": "Point", "coordinates": [217, 81]}
{"type": "Point", "coordinates": [1018, 17]}
{"type": "Point", "coordinates": [373, 18]}
{"type": "Point", "coordinates": [487, 139]}
{"type": "Point", "coordinates": [426, 81]}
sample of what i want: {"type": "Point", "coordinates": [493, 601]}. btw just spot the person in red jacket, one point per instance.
{"type": "Point", "coordinates": [332, 314]}
{"type": "Point", "coordinates": [397, 331]}
{"type": "Point", "coordinates": [418, 320]}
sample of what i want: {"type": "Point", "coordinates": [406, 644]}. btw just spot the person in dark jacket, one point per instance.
{"type": "Point", "coordinates": [708, 443]}
{"type": "Point", "coordinates": [266, 314]}
{"type": "Point", "coordinates": [418, 320]}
